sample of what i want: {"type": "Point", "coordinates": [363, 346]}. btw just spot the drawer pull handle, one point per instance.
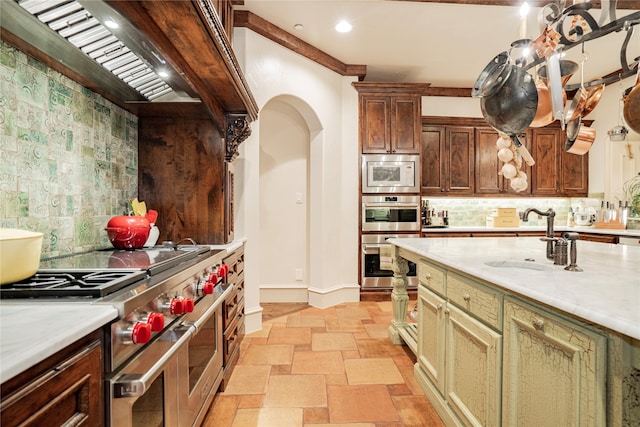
{"type": "Point", "coordinates": [538, 324]}
{"type": "Point", "coordinates": [466, 297]}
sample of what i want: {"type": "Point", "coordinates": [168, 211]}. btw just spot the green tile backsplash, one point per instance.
{"type": "Point", "coordinates": [69, 157]}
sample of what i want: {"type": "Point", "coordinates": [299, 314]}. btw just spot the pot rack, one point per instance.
{"type": "Point", "coordinates": [553, 16]}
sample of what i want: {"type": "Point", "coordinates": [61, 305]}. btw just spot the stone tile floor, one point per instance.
{"type": "Point", "coordinates": [323, 367]}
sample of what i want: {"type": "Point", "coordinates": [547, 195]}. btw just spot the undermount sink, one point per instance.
{"type": "Point", "coordinates": [529, 265]}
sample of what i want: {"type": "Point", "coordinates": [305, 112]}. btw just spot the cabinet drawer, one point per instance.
{"type": "Point", "coordinates": [432, 277]}
{"type": "Point", "coordinates": [479, 300]}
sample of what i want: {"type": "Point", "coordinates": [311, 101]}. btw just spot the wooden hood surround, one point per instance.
{"type": "Point", "coordinates": [192, 38]}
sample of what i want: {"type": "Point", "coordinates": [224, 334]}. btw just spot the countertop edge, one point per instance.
{"type": "Point", "coordinates": [14, 331]}
{"type": "Point", "coordinates": [531, 228]}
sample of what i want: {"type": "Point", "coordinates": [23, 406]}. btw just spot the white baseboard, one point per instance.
{"type": "Point", "coordinates": [316, 297]}
{"type": "Point", "coordinates": [252, 319]}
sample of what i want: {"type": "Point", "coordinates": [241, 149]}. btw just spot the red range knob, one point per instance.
{"type": "Point", "coordinates": [188, 305]}
{"type": "Point", "coordinates": [156, 320]}
{"type": "Point", "coordinates": [141, 333]}
{"type": "Point", "coordinates": [223, 270]}
{"type": "Point", "coordinates": [176, 306]}
{"type": "Point", "coordinates": [208, 288]}
{"type": "Point", "coordinates": [213, 277]}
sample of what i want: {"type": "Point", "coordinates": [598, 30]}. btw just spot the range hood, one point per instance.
{"type": "Point", "coordinates": [92, 29]}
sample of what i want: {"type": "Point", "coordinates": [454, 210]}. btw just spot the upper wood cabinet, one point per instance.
{"type": "Point", "coordinates": [557, 173]}
{"type": "Point", "coordinates": [488, 179]}
{"type": "Point", "coordinates": [459, 156]}
{"type": "Point", "coordinates": [389, 117]}
{"type": "Point", "coordinates": [447, 160]}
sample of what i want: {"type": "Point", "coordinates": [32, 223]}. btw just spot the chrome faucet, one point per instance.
{"type": "Point", "coordinates": [550, 214]}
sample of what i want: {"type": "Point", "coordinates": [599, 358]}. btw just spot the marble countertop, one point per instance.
{"type": "Point", "coordinates": [606, 293]}
{"type": "Point", "coordinates": [29, 333]}
{"type": "Point", "coordinates": [482, 228]}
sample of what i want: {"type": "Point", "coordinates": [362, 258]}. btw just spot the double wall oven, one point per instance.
{"type": "Point", "coordinates": [390, 209]}
{"type": "Point", "coordinates": [164, 354]}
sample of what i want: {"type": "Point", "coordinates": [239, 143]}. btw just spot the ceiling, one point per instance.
{"type": "Point", "coordinates": [444, 44]}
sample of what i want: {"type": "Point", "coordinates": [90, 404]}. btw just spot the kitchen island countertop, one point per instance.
{"type": "Point", "coordinates": [529, 228]}
{"type": "Point", "coordinates": [29, 333]}
{"type": "Point", "coordinates": [606, 293]}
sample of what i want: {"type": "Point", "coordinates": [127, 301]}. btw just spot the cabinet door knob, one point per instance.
{"type": "Point", "coordinates": [538, 324]}
{"type": "Point", "coordinates": [427, 276]}
{"type": "Point", "coordinates": [466, 297]}
{"type": "Point", "coordinates": [439, 306]}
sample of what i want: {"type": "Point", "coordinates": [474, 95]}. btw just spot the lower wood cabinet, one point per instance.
{"type": "Point", "coordinates": [233, 314]}
{"type": "Point", "coordinates": [68, 391]}
{"type": "Point", "coordinates": [554, 371]}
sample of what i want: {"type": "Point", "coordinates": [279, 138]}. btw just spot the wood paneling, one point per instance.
{"type": "Point", "coordinates": [181, 175]}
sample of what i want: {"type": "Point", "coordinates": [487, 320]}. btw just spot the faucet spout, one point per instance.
{"type": "Point", "coordinates": [550, 214]}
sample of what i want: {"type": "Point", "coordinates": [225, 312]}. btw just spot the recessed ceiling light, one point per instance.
{"type": "Point", "coordinates": [110, 23]}
{"type": "Point", "coordinates": [343, 27]}
{"type": "Point", "coordinates": [163, 73]}
{"type": "Point", "coordinates": [298, 27]}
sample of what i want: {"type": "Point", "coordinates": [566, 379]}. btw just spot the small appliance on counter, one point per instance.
{"type": "Point", "coordinates": [503, 217]}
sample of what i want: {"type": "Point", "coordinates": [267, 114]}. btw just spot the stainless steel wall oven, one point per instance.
{"type": "Point", "coordinates": [373, 276]}
{"type": "Point", "coordinates": [391, 213]}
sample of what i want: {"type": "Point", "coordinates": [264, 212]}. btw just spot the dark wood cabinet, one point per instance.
{"type": "Point", "coordinates": [488, 179]}
{"type": "Point", "coordinates": [447, 160]}
{"type": "Point", "coordinates": [557, 173]}
{"type": "Point", "coordinates": [233, 314]}
{"type": "Point", "coordinates": [459, 157]}
{"type": "Point", "coordinates": [389, 117]}
{"type": "Point", "coordinates": [65, 389]}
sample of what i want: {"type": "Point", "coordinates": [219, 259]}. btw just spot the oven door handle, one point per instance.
{"type": "Point", "coordinates": [207, 314]}
{"type": "Point", "coordinates": [135, 385]}
{"type": "Point", "coordinates": [394, 205]}
{"type": "Point", "coordinates": [369, 249]}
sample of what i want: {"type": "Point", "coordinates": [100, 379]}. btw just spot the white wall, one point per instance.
{"type": "Point", "coordinates": [284, 170]}
{"type": "Point", "coordinates": [328, 105]}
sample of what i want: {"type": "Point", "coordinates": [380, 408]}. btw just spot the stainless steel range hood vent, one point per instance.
{"type": "Point", "coordinates": [80, 27]}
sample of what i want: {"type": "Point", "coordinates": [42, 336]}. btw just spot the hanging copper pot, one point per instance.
{"type": "Point", "coordinates": [632, 106]}
{"type": "Point", "coordinates": [544, 113]}
{"type": "Point", "coordinates": [584, 141]}
{"type": "Point", "coordinates": [594, 93]}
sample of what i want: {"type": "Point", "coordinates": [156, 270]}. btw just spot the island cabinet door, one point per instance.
{"type": "Point", "coordinates": [473, 369]}
{"type": "Point", "coordinates": [554, 370]}
{"type": "Point", "coordinates": [431, 346]}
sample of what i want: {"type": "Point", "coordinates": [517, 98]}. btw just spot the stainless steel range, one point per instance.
{"type": "Point", "coordinates": [163, 355]}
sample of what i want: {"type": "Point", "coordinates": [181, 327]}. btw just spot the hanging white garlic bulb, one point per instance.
{"type": "Point", "coordinates": [503, 142]}
{"type": "Point", "coordinates": [505, 154]}
{"type": "Point", "coordinates": [509, 170]}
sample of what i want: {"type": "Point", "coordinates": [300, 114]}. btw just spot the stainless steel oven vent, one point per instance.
{"type": "Point", "coordinates": [75, 23]}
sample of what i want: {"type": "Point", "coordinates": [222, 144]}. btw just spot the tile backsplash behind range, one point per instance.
{"type": "Point", "coordinates": [69, 157]}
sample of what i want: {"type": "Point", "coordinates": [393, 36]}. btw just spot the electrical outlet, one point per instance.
{"type": "Point", "coordinates": [299, 274]}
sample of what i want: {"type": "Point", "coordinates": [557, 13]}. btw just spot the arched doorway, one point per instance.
{"type": "Point", "coordinates": [290, 135]}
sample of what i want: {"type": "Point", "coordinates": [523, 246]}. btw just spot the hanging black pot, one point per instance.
{"type": "Point", "coordinates": [512, 108]}
{"type": "Point", "coordinates": [494, 75]}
